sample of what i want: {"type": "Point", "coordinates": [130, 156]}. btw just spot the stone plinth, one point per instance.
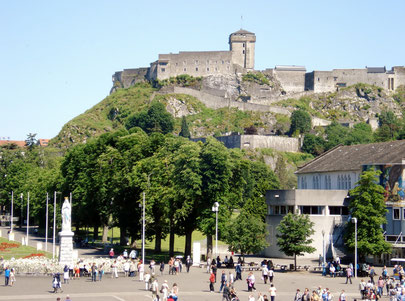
{"type": "Point", "coordinates": [66, 247]}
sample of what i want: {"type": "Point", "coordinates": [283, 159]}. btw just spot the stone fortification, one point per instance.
{"type": "Point", "coordinates": [240, 59]}
{"type": "Point", "coordinates": [283, 144]}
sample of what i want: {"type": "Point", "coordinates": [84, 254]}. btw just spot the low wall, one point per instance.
{"type": "Point", "coordinates": [282, 144]}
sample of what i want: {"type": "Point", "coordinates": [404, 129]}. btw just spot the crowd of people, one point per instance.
{"type": "Point", "coordinates": [227, 280]}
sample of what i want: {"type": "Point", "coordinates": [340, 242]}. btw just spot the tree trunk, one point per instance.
{"type": "Point", "coordinates": [295, 262]}
{"type": "Point", "coordinates": [171, 239]}
{"type": "Point", "coordinates": [123, 230]}
{"type": "Point", "coordinates": [187, 248]}
{"type": "Point", "coordinates": [95, 232]}
{"type": "Point", "coordinates": [158, 241]}
{"type": "Point", "coordinates": [105, 234]}
{"type": "Point", "coordinates": [209, 246]}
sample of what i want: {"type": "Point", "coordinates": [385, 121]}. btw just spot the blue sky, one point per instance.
{"type": "Point", "coordinates": [57, 57]}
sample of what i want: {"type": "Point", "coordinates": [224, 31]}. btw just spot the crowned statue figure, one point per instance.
{"type": "Point", "coordinates": [66, 216]}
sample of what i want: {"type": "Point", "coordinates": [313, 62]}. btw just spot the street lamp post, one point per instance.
{"type": "Point", "coordinates": [143, 228]}
{"type": "Point", "coordinates": [323, 247]}
{"type": "Point", "coordinates": [46, 223]}
{"type": "Point", "coordinates": [28, 218]}
{"type": "Point", "coordinates": [215, 209]}
{"type": "Point", "coordinates": [354, 220]}
{"type": "Point", "coordinates": [12, 211]}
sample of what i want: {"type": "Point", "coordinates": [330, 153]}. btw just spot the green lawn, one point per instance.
{"type": "Point", "coordinates": [20, 251]}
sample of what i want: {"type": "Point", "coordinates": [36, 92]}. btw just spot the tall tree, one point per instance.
{"type": "Point", "coordinates": [185, 132]}
{"type": "Point", "coordinates": [367, 205]}
{"type": "Point", "coordinates": [300, 122]}
{"type": "Point", "coordinates": [246, 234]}
{"type": "Point", "coordinates": [31, 141]}
{"type": "Point", "coordinates": [294, 235]}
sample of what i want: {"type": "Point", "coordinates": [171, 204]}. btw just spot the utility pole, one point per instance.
{"type": "Point", "coordinates": [28, 218]}
{"type": "Point", "coordinates": [46, 223]}
{"type": "Point", "coordinates": [12, 211]}
{"type": "Point", "coordinates": [54, 224]}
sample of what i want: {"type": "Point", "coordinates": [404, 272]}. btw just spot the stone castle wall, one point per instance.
{"type": "Point", "coordinates": [282, 144]}
{"type": "Point", "coordinates": [201, 63]}
{"type": "Point", "coordinates": [216, 102]}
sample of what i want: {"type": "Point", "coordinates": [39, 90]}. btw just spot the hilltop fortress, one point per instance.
{"type": "Point", "coordinates": [240, 59]}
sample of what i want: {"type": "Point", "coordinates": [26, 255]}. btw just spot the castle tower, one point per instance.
{"type": "Point", "coordinates": [242, 45]}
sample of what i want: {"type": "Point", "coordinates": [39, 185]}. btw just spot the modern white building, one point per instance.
{"type": "Point", "coordinates": [323, 186]}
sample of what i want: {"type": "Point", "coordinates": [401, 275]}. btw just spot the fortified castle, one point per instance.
{"type": "Point", "coordinates": [240, 59]}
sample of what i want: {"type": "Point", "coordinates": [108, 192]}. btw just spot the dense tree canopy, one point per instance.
{"type": "Point", "coordinates": [300, 122]}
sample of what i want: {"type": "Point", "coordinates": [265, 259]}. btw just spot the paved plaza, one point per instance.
{"type": "Point", "coordinates": [192, 286]}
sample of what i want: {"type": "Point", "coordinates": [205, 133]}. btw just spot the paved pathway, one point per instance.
{"type": "Point", "coordinates": [193, 286]}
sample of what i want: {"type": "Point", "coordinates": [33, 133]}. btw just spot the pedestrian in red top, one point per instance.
{"type": "Point", "coordinates": [212, 281]}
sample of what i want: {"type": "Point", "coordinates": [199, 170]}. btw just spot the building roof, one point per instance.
{"type": "Point", "coordinates": [376, 69]}
{"type": "Point", "coordinates": [352, 157]}
{"type": "Point", "coordinates": [242, 31]}
{"type": "Point", "coordinates": [290, 68]}
{"type": "Point", "coordinates": [20, 143]}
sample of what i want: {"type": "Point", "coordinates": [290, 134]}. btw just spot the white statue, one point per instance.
{"type": "Point", "coordinates": [66, 216]}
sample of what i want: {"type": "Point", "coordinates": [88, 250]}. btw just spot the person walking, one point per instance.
{"type": "Point", "coordinates": [65, 274]}
{"type": "Point", "coordinates": [12, 277]}
{"type": "Point", "coordinates": [265, 273]}
{"type": "Point", "coordinates": [380, 286]}
{"type": "Point", "coordinates": [349, 275]}
{"type": "Point", "coordinates": [111, 253]}
{"type": "Point", "coordinates": [6, 276]}
{"type": "Point", "coordinates": [164, 290]}
{"type": "Point", "coordinates": [114, 270]}
{"type": "Point", "coordinates": [212, 281]}
{"type": "Point", "coordinates": [372, 274]}
{"type": "Point", "coordinates": [298, 296]}
{"type": "Point", "coordinates": [100, 271]}
{"type": "Point", "coordinates": [189, 262]}
{"type": "Point", "coordinates": [154, 289]}
{"type": "Point", "coordinates": [162, 268]}
{"type": "Point", "coordinates": [223, 281]}
{"type": "Point", "coordinates": [342, 296]}
{"type": "Point", "coordinates": [238, 270]}
{"type": "Point", "coordinates": [272, 291]}
{"type": "Point", "coordinates": [226, 293]}
{"type": "Point", "coordinates": [271, 274]}
{"type": "Point", "coordinates": [141, 270]}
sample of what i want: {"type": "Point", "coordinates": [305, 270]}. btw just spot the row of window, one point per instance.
{"type": "Point", "coordinates": [197, 62]}
{"type": "Point", "coordinates": [312, 210]}
{"type": "Point", "coordinates": [196, 69]}
{"type": "Point", "coordinates": [343, 182]}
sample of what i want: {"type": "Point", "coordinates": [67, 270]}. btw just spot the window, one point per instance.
{"type": "Point", "coordinates": [338, 210]}
{"type": "Point", "coordinates": [196, 62]}
{"type": "Point", "coordinates": [313, 210]}
{"type": "Point", "coordinates": [208, 69]}
{"type": "Point", "coordinates": [184, 69]}
{"type": "Point", "coordinates": [335, 78]}
{"type": "Point", "coordinates": [290, 209]}
{"type": "Point", "coordinates": [349, 182]}
{"type": "Point", "coordinates": [177, 64]}
{"type": "Point", "coordinates": [243, 51]}
{"type": "Point", "coordinates": [395, 214]}
{"type": "Point", "coordinates": [196, 69]}
{"type": "Point", "coordinates": [276, 210]}
{"type": "Point", "coordinates": [162, 69]}
{"type": "Point", "coordinates": [282, 210]}
{"type": "Point", "coordinates": [403, 217]}
{"type": "Point", "coordinates": [216, 68]}
{"type": "Point", "coordinates": [223, 62]}
{"type": "Point", "coordinates": [341, 85]}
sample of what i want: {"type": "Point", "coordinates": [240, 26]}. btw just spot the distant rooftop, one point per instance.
{"type": "Point", "coordinates": [242, 31]}
{"type": "Point", "coordinates": [290, 68]}
{"type": "Point", "coordinates": [376, 69]}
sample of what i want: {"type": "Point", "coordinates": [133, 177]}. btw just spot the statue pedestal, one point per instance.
{"type": "Point", "coordinates": [66, 247]}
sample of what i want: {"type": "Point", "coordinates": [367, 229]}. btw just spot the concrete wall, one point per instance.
{"type": "Point", "coordinates": [332, 225]}
{"type": "Point", "coordinates": [129, 77]}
